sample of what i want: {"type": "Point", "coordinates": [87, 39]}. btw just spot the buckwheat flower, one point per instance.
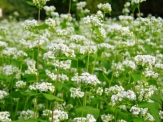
{"type": "Point", "coordinates": [3, 44]}
{"type": "Point", "coordinates": [149, 117]}
{"type": "Point", "coordinates": [9, 51]}
{"type": "Point", "coordinates": [79, 119]}
{"type": "Point", "coordinates": [4, 116]}
{"type": "Point", "coordinates": [130, 95]}
{"type": "Point", "coordinates": [93, 20]}
{"type": "Point", "coordinates": [31, 66]}
{"type": "Point", "coordinates": [117, 98]}
{"type": "Point", "coordinates": [46, 113]}
{"type": "Point", "coordinates": [65, 64]}
{"type": "Point", "coordinates": [123, 107]}
{"type": "Point", "coordinates": [3, 94]}
{"type": "Point", "coordinates": [99, 91]}
{"type": "Point", "coordinates": [40, 3]}
{"type": "Point", "coordinates": [59, 116]}
{"type": "Point", "coordinates": [121, 120]}
{"type": "Point", "coordinates": [81, 5]}
{"type": "Point", "coordinates": [105, 46]}
{"type": "Point", "coordinates": [137, 1]}
{"type": "Point", "coordinates": [150, 73]}
{"type": "Point", "coordinates": [143, 111]}
{"type": "Point", "coordinates": [49, 9]}
{"type": "Point", "coordinates": [20, 84]}
{"type": "Point", "coordinates": [159, 66]}
{"type": "Point", "coordinates": [3, 30]}
{"type": "Point", "coordinates": [41, 106]}
{"type": "Point", "coordinates": [130, 64]}
{"type": "Point", "coordinates": [135, 110]}
{"type": "Point", "coordinates": [51, 22]}
{"type": "Point", "coordinates": [61, 49]}
{"type": "Point", "coordinates": [105, 7]}
{"type": "Point", "coordinates": [10, 70]}
{"type": "Point", "coordinates": [29, 24]}
{"type": "Point", "coordinates": [77, 38]}
{"type": "Point", "coordinates": [107, 117]}
{"type": "Point", "coordinates": [20, 54]}
{"type": "Point", "coordinates": [90, 118]}
{"type": "Point", "coordinates": [145, 59]}
{"type": "Point", "coordinates": [89, 79]}
{"type": "Point", "coordinates": [100, 14]}
{"type": "Point", "coordinates": [76, 93]}
{"type": "Point", "coordinates": [161, 114]}
{"type": "Point", "coordinates": [42, 87]}
{"type": "Point", "coordinates": [114, 90]}
{"type": "Point", "coordinates": [29, 114]}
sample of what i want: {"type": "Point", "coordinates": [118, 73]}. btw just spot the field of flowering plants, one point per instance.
{"type": "Point", "coordinates": [96, 69]}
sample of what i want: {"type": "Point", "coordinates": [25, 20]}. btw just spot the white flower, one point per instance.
{"type": "Point", "coordinates": [51, 22]}
{"type": "Point", "coordinates": [3, 94]}
{"type": "Point", "coordinates": [39, 3]}
{"type": "Point", "coordinates": [29, 114]}
{"type": "Point", "coordinates": [20, 84]}
{"type": "Point", "coordinates": [105, 7]}
{"type": "Point", "coordinates": [29, 24]}
{"type": "Point", "coordinates": [107, 118]}
{"type": "Point", "coordinates": [161, 114]}
{"type": "Point", "coordinates": [76, 93]}
{"type": "Point", "coordinates": [99, 91]}
{"type": "Point", "coordinates": [135, 110]}
{"type": "Point", "coordinates": [4, 116]}
{"type": "Point", "coordinates": [149, 117]}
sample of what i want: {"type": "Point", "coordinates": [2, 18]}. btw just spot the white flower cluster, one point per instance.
{"type": "Point", "coordinates": [20, 54]}
{"type": "Point", "coordinates": [86, 78]}
{"type": "Point", "coordinates": [99, 91]}
{"type": "Point", "coordinates": [130, 64]}
{"type": "Point", "coordinates": [81, 5]}
{"type": "Point", "coordinates": [143, 112]}
{"type": "Point", "coordinates": [145, 60]}
{"type": "Point", "coordinates": [4, 116]}
{"type": "Point", "coordinates": [105, 7]}
{"type": "Point", "coordinates": [137, 1]}
{"type": "Point", "coordinates": [3, 30]}
{"type": "Point", "coordinates": [93, 20]}
{"type": "Point", "coordinates": [89, 118]}
{"type": "Point", "coordinates": [107, 117]}
{"type": "Point", "coordinates": [39, 3]}
{"type": "Point", "coordinates": [29, 24]}
{"type": "Point", "coordinates": [61, 49]}
{"type": "Point", "coordinates": [31, 66]}
{"type": "Point", "coordinates": [150, 73]}
{"type": "Point", "coordinates": [161, 114]}
{"type": "Point", "coordinates": [59, 116]}
{"type": "Point", "coordinates": [49, 9]}
{"type": "Point", "coordinates": [9, 51]}
{"type": "Point", "coordinates": [121, 120]}
{"type": "Point", "coordinates": [113, 90]}
{"type": "Point", "coordinates": [3, 44]}
{"type": "Point", "coordinates": [145, 93]}
{"type": "Point", "coordinates": [105, 46]}
{"type": "Point", "coordinates": [122, 95]}
{"type": "Point", "coordinates": [77, 38]}
{"type": "Point", "coordinates": [65, 64]}
{"type": "Point", "coordinates": [76, 93]}
{"type": "Point", "coordinates": [10, 70]}
{"type": "Point", "coordinates": [20, 84]}
{"type": "Point", "coordinates": [29, 114]}
{"type": "Point", "coordinates": [61, 77]}
{"type": "Point", "coordinates": [51, 22]}
{"type": "Point", "coordinates": [42, 87]}
{"type": "Point", "coordinates": [3, 94]}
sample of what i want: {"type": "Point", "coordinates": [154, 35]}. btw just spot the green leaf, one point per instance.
{"type": "Point", "coordinates": [30, 3]}
{"type": "Point", "coordinates": [135, 76]}
{"type": "Point", "coordinates": [29, 120]}
{"type": "Point", "coordinates": [41, 27]}
{"type": "Point", "coordinates": [138, 120]}
{"type": "Point", "coordinates": [16, 94]}
{"type": "Point", "coordinates": [52, 97]}
{"type": "Point", "coordinates": [83, 111]}
{"type": "Point", "coordinates": [95, 101]}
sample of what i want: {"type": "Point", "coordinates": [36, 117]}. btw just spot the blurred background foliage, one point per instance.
{"type": "Point", "coordinates": [14, 7]}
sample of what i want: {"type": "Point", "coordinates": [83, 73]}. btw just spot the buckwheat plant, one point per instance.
{"type": "Point", "coordinates": [92, 69]}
